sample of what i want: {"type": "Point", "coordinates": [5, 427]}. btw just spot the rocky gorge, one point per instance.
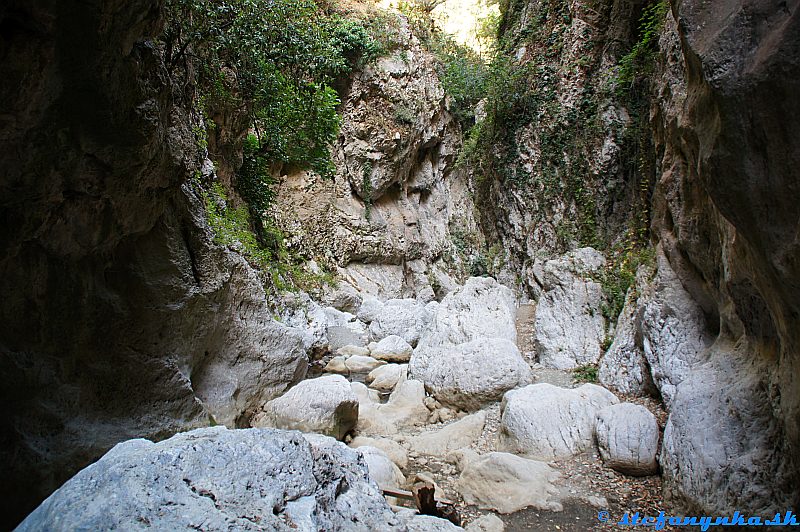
{"type": "Point", "coordinates": [584, 301]}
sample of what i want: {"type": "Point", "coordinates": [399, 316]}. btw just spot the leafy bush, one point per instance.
{"type": "Point", "coordinates": [639, 60]}
{"type": "Point", "coordinates": [232, 228]}
{"type": "Point", "coordinates": [620, 274]}
{"type": "Point", "coordinates": [275, 59]}
{"type": "Point", "coordinates": [282, 268]}
{"type": "Point", "coordinates": [585, 373]}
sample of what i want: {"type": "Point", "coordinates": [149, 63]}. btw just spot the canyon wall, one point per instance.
{"type": "Point", "coordinates": [120, 317]}
{"type": "Point", "coordinates": [712, 328]}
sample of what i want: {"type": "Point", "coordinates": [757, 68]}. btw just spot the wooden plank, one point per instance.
{"type": "Point", "coordinates": [403, 494]}
{"type": "Point", "coordinates": [400, 494]}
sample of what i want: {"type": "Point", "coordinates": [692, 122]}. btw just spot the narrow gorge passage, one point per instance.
{"type": "Point", "coordinates": [264, 259]}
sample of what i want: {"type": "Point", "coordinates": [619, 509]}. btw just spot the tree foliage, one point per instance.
{"type": "Point", "coordinates": [275, 59]}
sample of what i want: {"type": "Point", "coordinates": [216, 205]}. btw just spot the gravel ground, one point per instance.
{"type": "Point", "coordinates": [583, 477]}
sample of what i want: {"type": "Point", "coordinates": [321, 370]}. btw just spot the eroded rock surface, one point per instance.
{"type": "Point", "coordinates": [569, 326]}
{"type": "Point", "coordinates": [627, 436]}
{"type": "Point", "coordinates": [547, 422]}
{"type": "Point", "coordinates": [385, 378]}
{"type": "Point", "coordinates": [325, 405]}
{"type": "Point", "coordinates": [507, 483]}
{"type": "Point", "coordinates": [385, 220]}
{"type": "Point", "coordinates": [471, 374]}
{"type": "Point", "coordinates": [457, 435]}
{"type": "Point", "coordinates": [215, 479]}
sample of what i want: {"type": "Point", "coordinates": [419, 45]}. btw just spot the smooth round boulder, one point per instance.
{"type": "Point", "coordinates": [627, 436]}
{"type": "Point", "coordinates": [508, 483]}
{"type": "Point", "coordinates": [385, 378]}
{"type": "Point", "coordinates": [406, 318]}
{"type": "Point", "coordinates": [382, 469]}
{"type": "Point", "coordinates": [325, 405]}
{"type": "Point", "coordinates": [391, 349]}
{"type": "Point", "coordinates": [547, 422]}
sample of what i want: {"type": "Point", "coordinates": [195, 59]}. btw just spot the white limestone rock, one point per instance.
{"type": "Point", "coordinates": [393, 450]}
{"type": "Point", "coordinates": [325, 405]}
{"type": "Point", "coordinates": [391, 349]}
{"type": "Point", "coordinates": [508, 483]}
{"type": "Point", "coordinates": [486, 523]}
{"type": "Point", "coordinates": [482, 308]}
{"type": "Point", "coordinates": [627, 436]}
{"type": "Point", "coordinates": [569, 325]}
{"type": "Point", "coordinates": [454, 436]}
{"type": "Point", "coordinates": [469, 375]}
{"type": "Point", "coordinates": [382, 470]}
{"type": "Point", "coordinates": [219, 479]}
{"type": "Point", "coordinates": [406, 318]}
{"type": "Point", "coordinates": [386, 378]}
{"type": "Point", "coordinates": [546, 422]}
{"type": "Point", "coordinates": [404, 410]}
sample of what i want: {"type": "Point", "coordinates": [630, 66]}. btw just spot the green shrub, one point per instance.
{"type": "Point", "coordinates": [620, 274]}
{"type": "Point", "coordinates": [639, 61]}
{"type": "Point", "coordinates": [585, 373]}
{"type": "Point", "coordinates": [232, 228]}
{"type": "Point", "coordinates": [275, 59]}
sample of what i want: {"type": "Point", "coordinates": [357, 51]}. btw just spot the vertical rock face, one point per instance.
{"type": "Point", "coordinates": [716, 333]}
{"type": "Point", "coordinates": [726, 214]}
{"type": "Point", "coordinates": [119, 317]}
{"type": "Point", "coordinates": [386, 218]}
{"type": "Point", "coordinates": [565, 181]}
{"type": "Point", "coordinates": [662, 335]}
{"type": "Point", "coordinates": [570, 327]}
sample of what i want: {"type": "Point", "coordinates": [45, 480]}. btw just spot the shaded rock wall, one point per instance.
{"type": "Point", "coordinates": [120, 318]}
{"type": "Point", "coordinates": [726, 214]}
{"type": "Point", "coordinates": [570, 175]}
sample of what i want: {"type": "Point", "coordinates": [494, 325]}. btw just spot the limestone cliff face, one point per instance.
{"type": "Point", "coordinates": [120, 318]}
{"type": "Point", "coordinates": [391, 219]}
{"type": "Point", "coordinates": [570, 176]}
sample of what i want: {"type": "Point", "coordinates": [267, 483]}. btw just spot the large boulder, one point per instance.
{"type": "Point", "coordinates": [722, 434]}
{"type": "Point", "coordinates": [486, 523]}
{"type": "Point", "coordinates": [471, 374]}
{"type": "Point", "coordinates": [627, 437]}
{"type": "Point", "coordinates": [391, 349]}
{"type": "Point", "coordinates": [547, 422]}
{"type": "Point", "coordinates": [328, 327]}
{"type": "Point", "coordinates": [220, 479]}
{"type": "Point", "coordinates": [405, 409]}
{"type": "Point", "coordinates": [482, 308]}
{"type": "Point", "coordinates": [391, 448]}
{"type": "Point", "coordinates": [325, 405]}
{"type": "Point", "coordinates": [458, 435]}
{"type": "Point", "coordinates": [382, 469]}
{"type": "Point", "coordinates": [662, 335]}
{"type": "Point", "coordinates": [406, 318]}
{"type": "Point", "coordinates": [415, 522]}
{"type": "Point", "coordinates": [508, 483]}
{"type": "Point", "coordinates": [385, 378]}
{"type": "Point", "coordinates": [569, 325]}
{"type": "Point", "coordinates": [624, 367]}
